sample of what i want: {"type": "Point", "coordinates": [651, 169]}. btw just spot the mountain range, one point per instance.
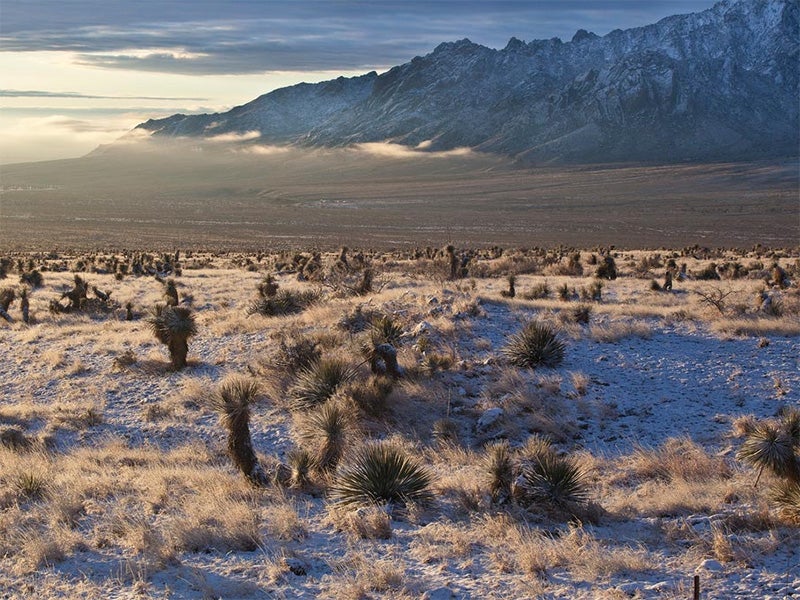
{"type": "Point", "coordinates": [721, 84]}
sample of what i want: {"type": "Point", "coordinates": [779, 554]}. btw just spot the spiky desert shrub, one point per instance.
{"type": "Point", "coordinates": [232, 400]}
{"type": "Point", "coordinates": [385, 330]}
{"type": "Point", "coordinates": [170, 293]}
{"type": "Point", "coordinates": [24, 305]}
{"type": "Point", "coordinates": [786, 496]}
{"type": "Point", "coordinates": [536, 345]}
{"type": "Point", "coordinates": [582, 313]}
{"type": "Point", "coordinates": [319, 382]}
{"type": "Point", "coordinates": [301, 463]}
{"type": "Point", "coordinates": [173, 326]}
{"type": "Point", "coordinates": [607, 268]}
{"type": "Point", "coordinates": [538, 292]}
{"type": "Point", "coordinates": [381, 473]}
{"type": "Point", "coordinates": [32, 278]}
{"type": "Point", "coordinates": [557, 482]}
{"type": "Point", "coordinates": [511, 291]}
{"type": "Point", "coordinates": [284, 302]}
{"type": "Point", "coordinates": [268, 287]}
{"type": "Point", "coordinates": [593, 292]}
{"type": "Point", "coordinates": [776, 447]}
{"type": "Point", "coordinates": [498, 470]}
{"type": "Point", "coordinates": [536, 449]}
{"type": "Point", "coordinates": [7, 296]}
{"type": "Point", "coordinates": [382, 359]}
{"type": "Point", "coordinates": [326, 430]}
{"type": "Point", "coordinates": [773, 447]}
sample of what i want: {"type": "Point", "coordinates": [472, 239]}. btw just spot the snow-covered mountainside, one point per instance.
{"type": "Point", "coordinates": [719, 84]}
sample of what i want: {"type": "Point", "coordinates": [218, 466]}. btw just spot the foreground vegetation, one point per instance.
{"type": "Point", "coordinates": [457, 423]}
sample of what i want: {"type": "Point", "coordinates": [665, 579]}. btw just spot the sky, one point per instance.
{"type": "Point", "coordinates": [78, 73]}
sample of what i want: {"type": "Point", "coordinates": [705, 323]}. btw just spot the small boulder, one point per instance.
{"type": "Point", "coordinates": [489, 418]}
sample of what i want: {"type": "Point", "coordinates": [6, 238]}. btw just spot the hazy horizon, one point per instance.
{"type": "Point", "coordinates": [80, 75]}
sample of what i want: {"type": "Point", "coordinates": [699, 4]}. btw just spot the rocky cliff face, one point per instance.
{"type": "Point", "coordinates": [720, 84]}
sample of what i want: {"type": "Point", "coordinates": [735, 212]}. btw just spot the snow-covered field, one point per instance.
{"type": "Point", "coordinates": [122, 486]}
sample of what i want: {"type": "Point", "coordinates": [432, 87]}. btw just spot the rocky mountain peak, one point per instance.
{"type": "Point", "coordinates": [719, 84]}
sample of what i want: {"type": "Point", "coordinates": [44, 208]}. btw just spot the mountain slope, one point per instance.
{"type": "Point", "coordinates": [719, 84]}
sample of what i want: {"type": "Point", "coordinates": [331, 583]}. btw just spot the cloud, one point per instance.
{"type": "Point", "coordinates": [55, 136]}
{"type": "Point", "coordinates": [262, 150]}
{"type": "Point", "coordinates": [391, 150]}
{"type": "Point", "coordinates": [76, 95]}
{"type": "Point", "coordinates": [230, 138]}
{"type": "Point", "coordinates": [212, 37]}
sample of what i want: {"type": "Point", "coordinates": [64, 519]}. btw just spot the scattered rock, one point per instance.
{"type": "Point", "coordinates": [489, 418]}
{"type": "Point", "coordinates": [711, 565]}
{"type": "Point", "coordinates": [296, 566]}
{"type": "Point", "coordinates": [440, 593]}
{"type": "Point", "coordinates": [631, 588]}
{"type": "Point", "coordinates": [422, 328]}
{"type": "Point", "coordinates": [661, 586]}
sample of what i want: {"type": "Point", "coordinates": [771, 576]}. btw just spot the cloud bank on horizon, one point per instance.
{"type": "Point", "coordinates": [113, 55]}
{"type": "Point", "coordinates": [239, 36]}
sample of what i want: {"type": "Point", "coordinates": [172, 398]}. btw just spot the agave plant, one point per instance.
{"type": "Point", "coordinates": [381, 473]}
{"type": "Point", "coordinates": [232, 400]}
{"type": "Point", "coordinates": [173, 326]}
{"type": "Point", "coordinates": [319, 382]}
{"type": "Point", "coordinates": [536, 345]}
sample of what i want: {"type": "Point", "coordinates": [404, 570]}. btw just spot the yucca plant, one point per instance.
{"type": "Point", "coordinates": [301, 463]}
{"type": "Point", "coordinates": [786, 495]}
{"type": "Point", "coordinates": [582, 313]}
{"type": "Point", "coordinates": [536, 345]}
{"type": "Point", "coordinates": [173, 326]}
{"type": "Point", "coordinates": [790, 421]}
{"type": "Point", "coordinates": [319, 382]}
{"type": "Point", "coordinates": [170, 293]}
{"type": "Point", "coordinates": [326, 429]}
{"type": "Point", "coordinates": [232, 400]}
{"type": "Point", "coordinates": [385, 330]}
{"type": "Point", "coordinates": [284, 302]}
{"type": "Point", "coordinates": [498, 470]}
{"type": "Point", "coordinates": [268, 287]}
{"type": "Point", "coordinates": [381, 473]}
{"type": "Point", "coordinates": [511, 291]}
{"type": "Point", "coordinates": [554, 481]}
{"type": "Point", "coordinates": [536, 449]}
{"type": "Point", "coordinates": [768, 446]}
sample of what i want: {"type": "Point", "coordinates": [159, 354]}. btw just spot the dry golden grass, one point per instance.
{"type": "Point", "coordinates": [123, 460]}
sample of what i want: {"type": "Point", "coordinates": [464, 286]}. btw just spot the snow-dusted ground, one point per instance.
{"type": "Point", "coordinates": [666, 378]}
